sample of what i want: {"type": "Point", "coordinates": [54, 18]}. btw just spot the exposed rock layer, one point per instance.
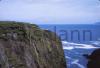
{"type": "Point", "coordinates": [28, 46]}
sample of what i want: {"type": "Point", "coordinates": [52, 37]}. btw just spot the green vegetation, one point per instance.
{"type": "Point", "coordinates": [15, 24]}
{"type": "Point", "coordinates": [18, 28]}
{"type": "Point", "coordinates": [24, 45]}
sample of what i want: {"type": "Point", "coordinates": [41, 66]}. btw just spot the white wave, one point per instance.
{"type": "Point", "coordinates": [67, 57]}
{"type": "Point", "coordinates": [70, 46]}
{"type": "Point", "coordinates": [95, 43]}
{"type": "Point", "coordinates": [76, 62]}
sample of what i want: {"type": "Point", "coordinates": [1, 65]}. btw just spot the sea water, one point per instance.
{"type": "Point", "coordinates": [77, 40]}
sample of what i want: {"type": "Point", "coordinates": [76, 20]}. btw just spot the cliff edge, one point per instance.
{"type": "Point", "coordinates": [24, 45]}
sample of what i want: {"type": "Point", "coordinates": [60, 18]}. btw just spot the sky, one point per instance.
{"type": "Point", "coordinates": [51, 11]}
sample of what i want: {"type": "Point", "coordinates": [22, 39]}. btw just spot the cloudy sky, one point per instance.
{"type": "Point", "coordinates": [51, 11]}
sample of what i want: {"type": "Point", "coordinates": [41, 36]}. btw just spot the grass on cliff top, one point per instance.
{"type": "Point", "coordinates": [15, 24]}
{"type": "Point", "coordinates": [32, 29]}
{"type": "Point", "coordinates": [16, 27]}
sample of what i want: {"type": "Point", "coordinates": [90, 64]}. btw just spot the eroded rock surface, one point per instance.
{"type": "Point", "coordinates": [28, 46]}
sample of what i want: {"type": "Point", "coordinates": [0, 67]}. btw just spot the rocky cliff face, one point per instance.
{"type": "Point", "coordinates": [28, 46]}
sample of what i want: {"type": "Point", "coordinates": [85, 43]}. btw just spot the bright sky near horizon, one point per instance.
{"type": "Point", "coordinates": [51, 11]}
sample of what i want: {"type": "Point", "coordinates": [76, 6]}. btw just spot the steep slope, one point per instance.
{"type": "Point", "coordinates": [28, 46]}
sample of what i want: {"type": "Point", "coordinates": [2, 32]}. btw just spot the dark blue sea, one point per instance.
{"type": "Point", "coordinates": [77, 40]}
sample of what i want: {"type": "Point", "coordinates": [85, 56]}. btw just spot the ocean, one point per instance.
{"type": "Point", "coordinates": [77, 40]}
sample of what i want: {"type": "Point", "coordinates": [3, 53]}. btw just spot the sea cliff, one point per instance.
{"type": "Point", "coordinates": [24, 45]}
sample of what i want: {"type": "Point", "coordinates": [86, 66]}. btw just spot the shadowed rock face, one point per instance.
{"type": "Point", "coordinates": [94, 59]}
{"type": "Point", "coordinates": [28, 46]}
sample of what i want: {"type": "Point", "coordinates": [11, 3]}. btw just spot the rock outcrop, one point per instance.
{"type": "Point", "coordinates": [24, 45]}
{"type": "Point", "coordinates": [94, 59]}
